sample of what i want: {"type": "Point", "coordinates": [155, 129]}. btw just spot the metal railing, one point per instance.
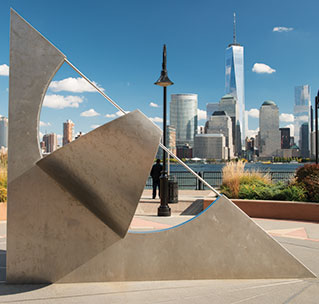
{"type": "Point", "coordinates": [186, 180]}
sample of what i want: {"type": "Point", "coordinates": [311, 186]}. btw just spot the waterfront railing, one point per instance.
{"type": "Point", "coordinates": [186, 180]}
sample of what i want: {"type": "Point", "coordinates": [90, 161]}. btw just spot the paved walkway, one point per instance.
{"type": "Point", "coordinates": [300, 238]}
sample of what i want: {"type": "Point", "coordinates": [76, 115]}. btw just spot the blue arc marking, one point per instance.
{"type": "Point", "coordinates": [165, 229]}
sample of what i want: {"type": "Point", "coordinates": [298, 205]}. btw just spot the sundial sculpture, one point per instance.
{"type": "Point", "coordinates": [69, 212]}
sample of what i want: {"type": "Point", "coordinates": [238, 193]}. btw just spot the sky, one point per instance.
{"type": "Point", "coordinates": [118, 45]}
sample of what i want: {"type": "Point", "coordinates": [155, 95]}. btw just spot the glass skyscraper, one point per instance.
{"type": "Point", "coordinates": [183, 117]}
{"type": "Point", "coordinates": [234, 79]}
{"type": "Point", "coordinates": [302, 112]}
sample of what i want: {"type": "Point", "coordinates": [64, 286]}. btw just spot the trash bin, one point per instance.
{"type": "Point", "coordinates": [172, 191]}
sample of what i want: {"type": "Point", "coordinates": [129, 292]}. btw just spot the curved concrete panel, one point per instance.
{"type": "Point", "coordinates": [33, 63]}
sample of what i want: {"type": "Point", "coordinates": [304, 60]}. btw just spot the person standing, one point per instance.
{"type": "Point", "coordinates": [155, 174]}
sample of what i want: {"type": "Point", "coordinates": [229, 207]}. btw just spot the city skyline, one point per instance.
{"type": "Point", "coordinates": [122, 53]}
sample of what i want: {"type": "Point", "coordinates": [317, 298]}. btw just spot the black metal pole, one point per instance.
{"type": "Point", "coordinates": [164, 209]}
{"type": "Point", "coordinates": [316, 125]}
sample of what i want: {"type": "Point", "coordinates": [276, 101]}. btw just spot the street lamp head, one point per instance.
{"type": "Point", "coordinates": [164, 81]}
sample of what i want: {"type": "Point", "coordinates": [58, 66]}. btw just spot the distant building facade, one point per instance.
{"type": "Point", "coordinates": [183, 117]}
{"type": "Point", "coordinates": [302, 111]}
{"type": "Point", "coordinates": [285, 138]}
{"type": "Point", "coordinates": [3, 132]}
{"type": "Point", "coordinates": [221, 123]}
{"type": "Point", "coordinates": [270, 139]}
{"type": "Point", "coordinates": [228, 104]}
{"type": "Point", "coordinates": [50, 142]}
{"type": "Point", "coordinates": [210, 146]}
{"type": "Point", "coordinates": [68, 127]}
{"type": "Point", "coordinates": [304, 140]}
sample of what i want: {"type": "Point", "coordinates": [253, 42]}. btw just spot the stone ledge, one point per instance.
{"type": "Point", "coordinates": [286, 210]}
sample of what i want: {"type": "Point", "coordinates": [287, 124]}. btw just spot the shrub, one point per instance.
{"type": "Point", "coordinates": [308, 177]}
{"type": "Point", "coordinates": [232, 172]}
{"type": "Point", "coordinates": [3, 194]}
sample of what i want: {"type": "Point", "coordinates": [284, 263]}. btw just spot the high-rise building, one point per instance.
{"type": "Point", "coordinates": [68, 131]}
{"type": "Point", "coordinates": [3, 132]}
{"type": "Point", "coordinates": [228, 104]}
{"type": "Point", "coordinates": [51, 142]}
{"type": "Point", "coordinates": [304, 140]}
{"type": "Point", "coordinates": [183, 117]}
{"type": "Point", "coordinates": [210, 146]}
{"type": "Point", "coordinates": [234, 79]}
{"type": "Point", "coordinates": [270, 141]}
{"type": "Point", "coordinates": [285, 138]}
{"type": "Point", "coordinates": [221, 123]}
{"type": "Point", "coordinates": [302, 110]}
{"type": "Point", "coordinates": [211, 107]}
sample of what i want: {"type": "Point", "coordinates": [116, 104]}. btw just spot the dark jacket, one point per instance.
{"type": "Point", "coordinates": [156, 171]}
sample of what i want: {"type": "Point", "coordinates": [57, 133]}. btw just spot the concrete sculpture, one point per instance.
{"type": "Point", "coordinates": [69, 212]}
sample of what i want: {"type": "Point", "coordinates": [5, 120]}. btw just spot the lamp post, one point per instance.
{"type": "Point", "coordinates": [316, 124]}
{"type": "Point", "coordinates": [164, 81]}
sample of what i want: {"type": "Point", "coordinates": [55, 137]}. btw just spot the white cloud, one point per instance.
{"type": "Point", "coordinates": [280, 29]}
{"type": "Point", "coordinates": [61, 102]}
{"type": "Point", "coordinates": [110, 115]}
{"type": "Point", "coordinates": [44, 124]}
{"type": "Point", "coordinates": [90, 113]}
{"type": "Point", "coordinates": [252, 133]}
{"type": "Point", "coordinates": [201, 114]}
{"type": "Point", "coordinates": [95, 126]}
{"type": "Point", "coordinates": [154, 105]}
{"type": "Point", "coordinates": [156, 119]}
{"type": "Point", "coordinates": [261, 68]}
{"type": "Point", "coordinates": [285, 117]}
{"type": "Point", "coordinates": [120, 113]}
{"type": "Point", "coordinates": [76, 85]}
{"type": "Point", "coordinates": [41, 135]}
{"type": "Point", "coordinates": [292, 129]}
{"type": "Point", "coordinates": [253, 113]}
{"type": "Point", "coordinates": [4, 70]}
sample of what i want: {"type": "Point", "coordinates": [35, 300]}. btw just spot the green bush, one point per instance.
{"type": "Point", "coordinates": [278, 191]}
{"type": "Point", "coordinates": [3, 194]}
{"type": "Point", "coordinates": [308, 178]}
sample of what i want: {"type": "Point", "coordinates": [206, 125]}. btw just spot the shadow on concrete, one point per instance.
{"type": "Point", "coordinates": [194, 208]}
{"type": "Point", "coordinates": [9, 289]}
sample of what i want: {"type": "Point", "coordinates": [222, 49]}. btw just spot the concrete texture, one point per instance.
{"type": "Point", "coordinates": [100, 173]}
{"type": "Point", "coordinates": [33, 63]}
{"type": "Point", "coordinates": [222, 242]}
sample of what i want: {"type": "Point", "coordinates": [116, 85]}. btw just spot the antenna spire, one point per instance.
{"type": "Point", "coordinates": [234, 29]}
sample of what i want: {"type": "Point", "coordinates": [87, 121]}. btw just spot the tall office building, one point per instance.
{"type": "Point", "coordinates": [211, 107]}
{"type": "Point", "coordinates": [228, 104]}
{"type": "Point", "coordinates": [183, 117]}
{"type": "Point", "coordinates": [285, 138]}
{"type": "Point", "coordinates": [304, 140]}
{"type": "Point", "coordinates": [221, 123]}
{"type": "Point", "coordinates": [234, 79]}
{"type": "Point", "coordinates": [3, 132]}
{"type": "Point", "coordinates": [51, 142]}
{"type": "Point", "coordinates": [68, 131]}
{"type": "Point", "coordinates": [302, 111]}
{"type": "Point", "coordinates": [210, 146]}
{"type": "Point", "coordinates": [270, 139]}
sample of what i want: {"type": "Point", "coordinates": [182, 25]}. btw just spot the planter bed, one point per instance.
{"type": "Point", "coordinates": [301, 211]}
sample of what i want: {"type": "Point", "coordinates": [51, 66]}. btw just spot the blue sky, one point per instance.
{"type": "Point", "coordinates": [118, 44]}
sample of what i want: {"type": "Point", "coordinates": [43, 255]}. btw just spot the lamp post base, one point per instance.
{"type": "Point", "coordinates": [164, 211]}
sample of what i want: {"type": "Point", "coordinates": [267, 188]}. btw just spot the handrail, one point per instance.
{"type": "Point", "coordinates": [124, 112]}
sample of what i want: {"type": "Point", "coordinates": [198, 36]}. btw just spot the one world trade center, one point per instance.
{"type": "Point", "coordinates": [234, 83]}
